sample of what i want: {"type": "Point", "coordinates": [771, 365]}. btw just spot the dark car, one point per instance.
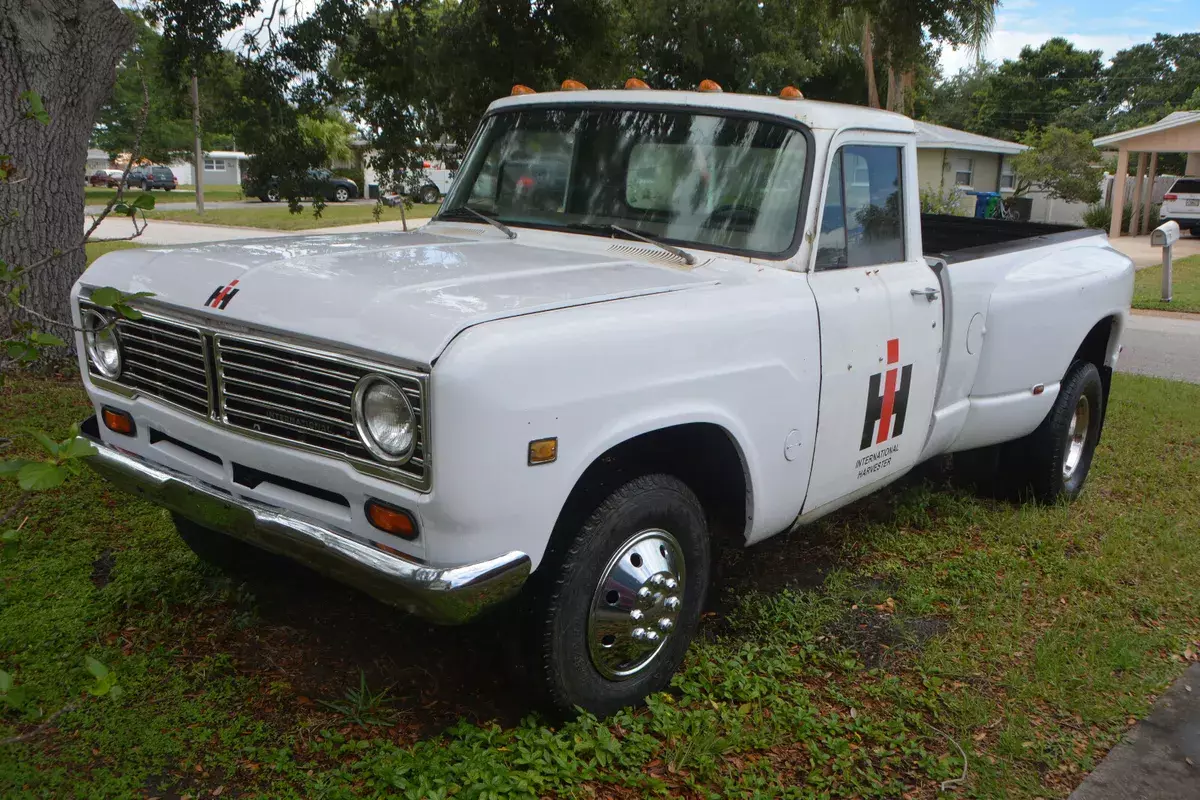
{"type": "Point", "coordinates": [106, 177]}
{"type": "Point", "coordinates": [149, 178]}
{"type": "Point", "coordinates": [318, 183]}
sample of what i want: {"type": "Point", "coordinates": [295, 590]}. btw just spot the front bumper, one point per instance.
{"type": "Point", "coordinates": [446, 595]}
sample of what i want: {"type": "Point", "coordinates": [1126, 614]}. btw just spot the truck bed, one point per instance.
{"type": "Point", "coordinates": [957, 239]}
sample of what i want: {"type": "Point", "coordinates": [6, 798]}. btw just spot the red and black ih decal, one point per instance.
{"type": "Point", "coordinates": [893, 402]}
{"type": "Point", "coordinates": [222, 295]}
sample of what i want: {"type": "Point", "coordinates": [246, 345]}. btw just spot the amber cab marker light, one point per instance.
{"type": "Point", "coordinates": [118, 421]}
{"type": "Point", "coordinates": [636, 83]}
{"type": "Point", "coordinates": [710, 86]}
{"type": "Point", "coordinates": [521, 89]}
{"type": "Point", "coordinates": [570, 85]}
{"type": "Point", "coordinates": [543, 451]}
{"type": "Point", "coordinates": [791, 93]}
{"type": "Point", "coordinates": [390, 519]}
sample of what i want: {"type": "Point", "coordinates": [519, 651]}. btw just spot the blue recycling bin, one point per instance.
{"type": "Point", "coordinates": [987, 205]}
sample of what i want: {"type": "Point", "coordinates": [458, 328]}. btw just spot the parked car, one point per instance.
{"type": "Point", "coordinates": [320, 182]}
{"type": "Point", "coordinates": [149, 178]}
{"type": "Point", "coordinates": [566, 397]}
{"type": "Point", "coordinates": [1181, 203]}
{"type": "Point", "coordinates": [110, 178]}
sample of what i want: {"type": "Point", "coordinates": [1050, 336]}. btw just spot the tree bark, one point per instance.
{"type": "Point", "coordinates": [868, 52]}
{"type": "Point", "coordinates": [198, 160]}
{"type": "Point", "coordinates": [67, 52]}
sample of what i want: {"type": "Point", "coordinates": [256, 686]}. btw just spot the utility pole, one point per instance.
{"type": "Point", "coordinates": [198, 163]}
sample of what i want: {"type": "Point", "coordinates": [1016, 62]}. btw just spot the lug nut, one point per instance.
{"type": "Point", "coordinates": [671, 603]}
{"type": "Point", "coordinates": [651, 636]}
{"type": "Point", "coordinates": [644, 593]}
{"type": "Point", "coordinates": [641, 634]}
{"type": "Point", "coordinates": [636, 614]}
{"type": "Point", "coordinates": [656, 580]}
{"type": "Point", "coordinates": [671, 583]}
{"type": "Point", "coordinates": [665, 624]}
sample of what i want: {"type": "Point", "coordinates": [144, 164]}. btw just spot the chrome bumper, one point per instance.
{"type": "Point", "coordinates": [441, 594]}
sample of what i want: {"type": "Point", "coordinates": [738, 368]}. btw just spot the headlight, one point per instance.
{"type": "Point", "coordinates": [384, 419]}
{"type": "Point", "coordinates": [103, 347]}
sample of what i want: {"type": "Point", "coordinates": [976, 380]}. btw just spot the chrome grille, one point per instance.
{"type": "Point", "coordinates": [304, 397]}
{"type": "Point", "coordinates": [166, 360]}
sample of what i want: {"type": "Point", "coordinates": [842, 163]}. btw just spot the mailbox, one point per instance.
{"type": "Point", "coordinates": [1165, 235]}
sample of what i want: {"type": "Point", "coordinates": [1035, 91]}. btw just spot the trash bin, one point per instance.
{"type": "Point", "coordinates": [987, 205]}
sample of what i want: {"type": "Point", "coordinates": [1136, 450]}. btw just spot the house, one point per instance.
{"type": "Point", "coordinates": [96, 159]}
{"type": "Point", "coordinates": [947, 158]}
{"type": "Point", "coordinates": [221, 168]}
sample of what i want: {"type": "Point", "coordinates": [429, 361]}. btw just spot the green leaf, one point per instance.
{"type": "Point", "coordinates": [97, 668]}
{"type": "Point", "coordinates": [77, 448]}
{"type": "Point", "coordinates": [9, 536]}
{"type": "Point", "coordinates": [105, 296]}
{"type": "Point", "coordinates": [37, 110]}
{"type": "Point", "coordinates": [39, 475]}
{"type": "Point", "coordinates": [6, 681]}
{"type": "Point", "coordinates": [128, 312]}
{"type": "Point", "coordinates": [12, 466]}
{"type": "Point", "coordinates": [138, 295]}
{"type": "Point", "coordinates": [46, 339]}
{"type": "Point", "coordinates": [16, 697]}
{"type": "Point", "coordinates": [144, 201]}
{"type": "Point", "coordinates": [45, 441]}
{"type": "Point", "coordinates": [116, 691]}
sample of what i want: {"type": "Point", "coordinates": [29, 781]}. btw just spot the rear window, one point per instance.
{"type": "Point", "coordinates": [1186, 186]}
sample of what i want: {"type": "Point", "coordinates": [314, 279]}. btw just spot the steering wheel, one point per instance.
{"type": "Point", "coordinates": [738, 214]}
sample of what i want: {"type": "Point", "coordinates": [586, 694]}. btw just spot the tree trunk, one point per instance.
{"type": "Point", "coordinates": [868, 51]}
{"type": "Point", "coordinates": [198, 160]}
{"type": "Point", "coordinates": [891, 89]}
{"type": "Point", "coordinates": [67, 52]}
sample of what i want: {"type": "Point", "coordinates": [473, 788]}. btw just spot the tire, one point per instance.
{"type": "Point", "coordinates": [224, 552]}
{"type": "Point", "coordinates": [1053, 461]}
{"type": "Point", "coordinates": [272, 196]}
{"type": "Point", "coordinates": [429, 194]}
{"type": "Point", "coordinates": [652, 532]}
{"type": "Point", "coordinates": [341, 194]}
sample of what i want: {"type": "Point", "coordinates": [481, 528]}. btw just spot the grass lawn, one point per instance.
{"type": "Point", "coordinates": [1185, 287]}
{"type": "Point", "coordinates": [96, 249]}
{"type": "Point", "coordinates": [838, 662]}
{"type": "Point", "coordinates": [98, 195]}
{"type": "Point", "coordinates": [278, 217]}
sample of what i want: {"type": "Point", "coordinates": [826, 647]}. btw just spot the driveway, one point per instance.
{"type": "Point", "coordinates": [159, 232]}
{"type": "Point", "coordinates": [1138, 248]}
{"type": "Point", "coordinates": [1165, 346]}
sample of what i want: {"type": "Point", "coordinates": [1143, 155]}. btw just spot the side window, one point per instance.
{"type": "Point", "coordinates": [863, 220]}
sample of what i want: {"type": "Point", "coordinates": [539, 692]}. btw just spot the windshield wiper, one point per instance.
{"type": "Point", "coordinates": [507, 231]}
{"type": "Point", "coordinates": [688, 258]}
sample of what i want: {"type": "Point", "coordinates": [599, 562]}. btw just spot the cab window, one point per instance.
{"type": "Point", "coordinates": [863, 221]}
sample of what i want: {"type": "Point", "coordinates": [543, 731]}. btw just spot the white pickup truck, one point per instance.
{"type": "Point", "coordinates": [640, 319]}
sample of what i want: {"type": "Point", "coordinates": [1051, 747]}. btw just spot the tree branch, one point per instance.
{"type": "Point", "coordinates": [40, 729]}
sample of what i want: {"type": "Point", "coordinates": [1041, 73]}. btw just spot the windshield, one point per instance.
{"type": "Point", "coordinates": [721, 182]}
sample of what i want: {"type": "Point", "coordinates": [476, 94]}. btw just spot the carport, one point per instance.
{"type": "Point", "coordinates": [1175, 133]}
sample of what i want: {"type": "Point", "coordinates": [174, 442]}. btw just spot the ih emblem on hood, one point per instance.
{"type": "Point", "coordinates": [221, 296]}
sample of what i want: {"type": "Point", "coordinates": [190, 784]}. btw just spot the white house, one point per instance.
{"type": "Point", "coordinates": [96, 159]}
{"type": "Point", "coordinates": [221, 168]}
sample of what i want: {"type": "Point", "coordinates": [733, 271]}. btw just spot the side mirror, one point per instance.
{"type": "Point", "coordinates": [1165, 235]}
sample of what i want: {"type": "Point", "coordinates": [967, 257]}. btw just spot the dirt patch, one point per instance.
{"type": "Point", "coordinates": [102, 568]}
{"type": "Point", "coordinates": [876, 635]}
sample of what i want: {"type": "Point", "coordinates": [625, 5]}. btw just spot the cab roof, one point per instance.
{"type": "Point", "coordinates": [813, 113]}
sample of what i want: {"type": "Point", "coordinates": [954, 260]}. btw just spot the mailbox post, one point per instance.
{"type": "Point", "coordinates": [1164, 236]}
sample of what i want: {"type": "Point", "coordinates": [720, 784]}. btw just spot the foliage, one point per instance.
{"type": "Point", "coordinates": [1061, 162]}
{"type": "Point", "coordinates": [331, 133]}
{"type": "Point", "coordinates": [362, 706]}
{"type": "Point", "coordinates": [936, 201]}
{"type": "Point", "coordinates": [280, 217]}
{"type": "Point", "coordinates": [356, 175]}
{"type": "Point", "coordinates": [1185, 287]}
{"type": "Point", "coordinates": [1100, 216]}
{"type": "Point", "coordinates": [1147, 81]}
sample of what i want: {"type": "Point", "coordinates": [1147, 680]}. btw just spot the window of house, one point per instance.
{"type": "Point", "coordinates": [962, 171]}
{"type": "Point", "coordinates": [214, 165]}
{"type": "Point", "coordinates": [1008, 177]}
{"type": "Point", "coordinates": [862, 223]}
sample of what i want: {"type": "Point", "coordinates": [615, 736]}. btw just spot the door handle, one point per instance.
{"type": "Point", "coordinates": [929, 293]}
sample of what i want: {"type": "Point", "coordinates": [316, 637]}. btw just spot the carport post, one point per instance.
{"type": "Point", "coordinates": [1118, 192]}
{"type": "Point", "coordinates": [1150, 192]}
{"type": "Point", "coordinates": [1135, 219]}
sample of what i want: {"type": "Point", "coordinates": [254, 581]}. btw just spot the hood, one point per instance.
{"type": "Point", "coordinates": [405, 295]}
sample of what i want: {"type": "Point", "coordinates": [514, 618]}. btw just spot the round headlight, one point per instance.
{"type": "Point", "coordinates": [384, 419]}
{"type": "Point", "coordinates": [103, 347]}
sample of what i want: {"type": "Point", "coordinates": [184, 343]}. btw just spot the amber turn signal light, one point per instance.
{"type": "Point", "coordinates": [791, 93]}
{"type": "Point", "coordinates": [521, 89]}
{"type": "Point", "coordinates": [118, 421]}
{"type": "Point", "coordinates": [543, 451]}
{"type": "Point", "coordinates": [710, 86]}
{"type": "Point", "coordinates": [636, 83]}
{"type": "Point", "coordinates": [572, 86]}
{"type": "Point", "coordinates": [390, 519]}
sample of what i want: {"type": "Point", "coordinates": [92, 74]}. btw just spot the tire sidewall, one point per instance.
{"type": "Point", "coordinates": [341, 194]}
{"type": "Point", "coordinates": [1088, 383]}
{"type": "Point", "coordinates": [657, 501]}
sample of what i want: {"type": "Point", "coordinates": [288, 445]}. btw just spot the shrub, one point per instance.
{"type": "Point", "coordinates": [355, 175]}
{"type": "Point", "coordinates": [934, 201]}
{"type": "Point", "coordinates": [1100, 216]}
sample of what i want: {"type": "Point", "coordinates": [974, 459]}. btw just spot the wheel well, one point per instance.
{"type": "Point", "coordinates": [1095, 350]}
{"type": "Point", "coordinates": [702, 455]}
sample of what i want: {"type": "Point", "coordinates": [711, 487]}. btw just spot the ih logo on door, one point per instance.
{"type": "Point", "coordinates": [222, 295]}
{"type": "Point", "coordinates": [887, 408]}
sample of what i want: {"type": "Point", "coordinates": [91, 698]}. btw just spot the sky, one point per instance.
{"type": "Point", "coordinates": [1107, 25]}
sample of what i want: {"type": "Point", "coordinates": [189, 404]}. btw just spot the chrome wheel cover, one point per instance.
{"type": "Point", "coordinates": [636, 604]}
{"type": "Point", "coordinates": [1076, 437]}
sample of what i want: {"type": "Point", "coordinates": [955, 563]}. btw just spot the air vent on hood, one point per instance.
{"type": "Point", "coordinates": [646, 254]}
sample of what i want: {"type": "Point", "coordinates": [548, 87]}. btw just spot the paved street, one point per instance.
{"type": "Point", "coordinates": [1166, 347]}
{"type": "Point", "coordinates": [162, 204]}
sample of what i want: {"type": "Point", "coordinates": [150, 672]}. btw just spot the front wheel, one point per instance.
{"type": "Point", "coordinates": [429, 195]}
{"type": "Point", "coordinates": [341, 194]}
{"type": "Point", "coordinates": [617, 609]}
{"type": "Point", "coordinates": [272, 196]}
{"type": "Point", "coordinates": [1057, 456]}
